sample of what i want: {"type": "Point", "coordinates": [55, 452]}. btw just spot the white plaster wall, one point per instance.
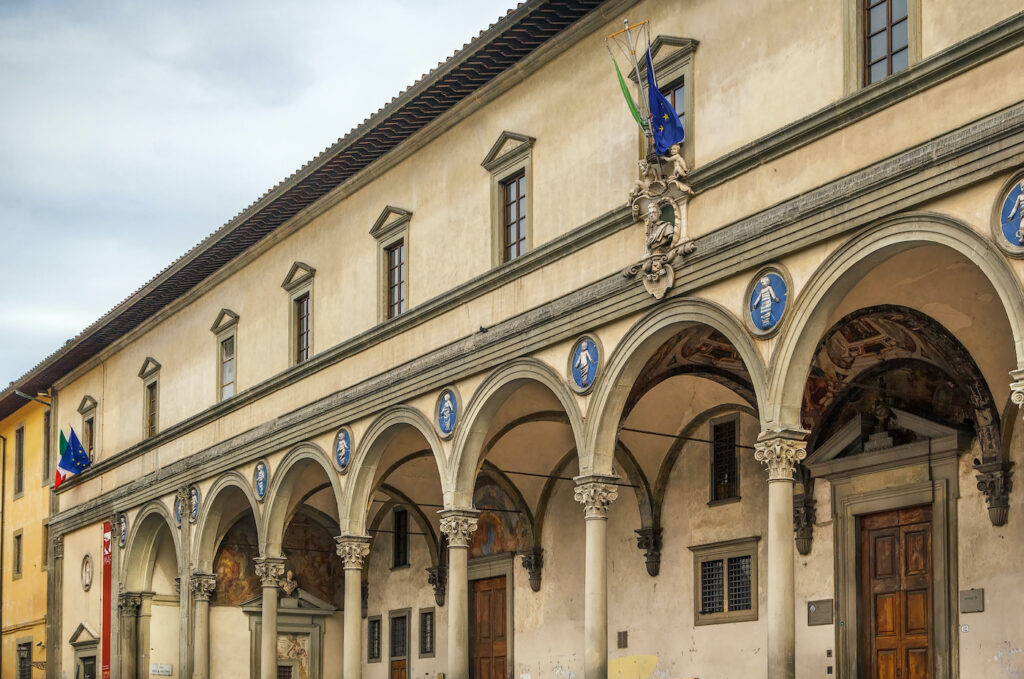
{"type": "Point", "coordinates": [78, 605]}
{"type": "Point", "coordinates": [230, 641]}
{"type": "Point", "coordinates": [333, 655]}
{"type": "Point", "coordinates": [163, 635]}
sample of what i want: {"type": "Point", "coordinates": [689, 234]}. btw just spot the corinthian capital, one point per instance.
{"type": "Point", "coordinates": [353, 550]}
{"type": "Point", "coordinates": [596, 493]}
{"type": "Point", "coordinates": [202, 585]}
{"type": "Point", "coordinates": [269, 570]}
{"type": "Point", "coordinates": [128, 603]}
{"type": "Point", "coordinates": [459, 525]}
{"type": "Point", "coordinates": [780, 450]}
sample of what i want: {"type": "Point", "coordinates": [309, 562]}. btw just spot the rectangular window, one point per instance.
{"type": "Point", "coordinates": [46, 447]}
{"type": "Point", "coordinates": [400, 538]}
{"type": "Point", "coordinates": [89, 435]}
{"type": "Point", "coordinates": [724, 462]}
{"type": "Point", "coordinates": [227, 367]}
{"type": "Point", "coordinates": [284, 672]}
{"type": "Point", "coordinates": [725, 581]}
{"type": "Point", "coordinates": [25, 660]}
{"type": "Point", "coordinates": [886, 39]}
{"type": "Point", "coordinates": [45, 543]}
{"type": "Point", "coordinates": [16, 555]}
{"type": "Point", "coordinates": [399, 637]}
{"type": "Point", "coordinates": [301, 327]}
{"type": "Point", "coordinates": [427, 633]}
{"type": "Point", "coordinates": [151, 409]}
{"type": "Point", "coordinates": [676, 95]}
{"type": "Point", "coordinates": [19, 461]}
{"type": "Point", "coordinates": [395, 255]}
{"type": "Point", "coordinates": [373, 639]}
{"type": "Point", "coordinates": [514, 216]}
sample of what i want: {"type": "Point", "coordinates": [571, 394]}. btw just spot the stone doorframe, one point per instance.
{"type": "Point", "coordinates": [915, 474]}
{"type": "Point", "coordinates": [491, 567]}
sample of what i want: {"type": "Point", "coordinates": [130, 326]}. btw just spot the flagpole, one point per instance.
{"type": "Point", "coordinates": [648, 133]}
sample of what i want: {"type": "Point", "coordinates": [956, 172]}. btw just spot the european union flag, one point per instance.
{"type": "Point", "coordinates": [665, 123]}
{"type": "Point", "coordinates": [73, 459]}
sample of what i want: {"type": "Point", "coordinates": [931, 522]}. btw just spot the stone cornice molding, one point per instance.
{"type": "Point", "coordinates": [269, 570]}
{"type": "Point", "coordinates": [353, 550]}
{"type": "Point", "coordinates": [459, 525]}
{"type": "Point", "coordinates": [596, 493]}
{"type": "Point", "coordinates": [779, 450]}
{"type": "Point", "coordinates": [202, 585]}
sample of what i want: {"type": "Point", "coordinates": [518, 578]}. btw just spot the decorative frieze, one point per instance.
{"type": "Point", "coordinates": [648, 540]}
{"type": "Point", "coordinates": [202, 585]}
{"type": "Point", "coordinates": [596, 493]}
{"type": "Point", "coordinates": [995, 480]}
{"type": "Point", "coordinates": [459, 525]}
{"type": "Point", "coordinates": [533, 562]}
{"type": "Point", "coordinates": [437, 577]}
{"type": "Point", "coordinates": [269, 570]}
{"type": "Point", "coordinates": [353, 550]}
{"type": "Point", "coordinates": [779, 450]}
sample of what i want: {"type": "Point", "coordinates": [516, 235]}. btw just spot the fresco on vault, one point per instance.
{"type": "Point", "coordinates": [497, 531]}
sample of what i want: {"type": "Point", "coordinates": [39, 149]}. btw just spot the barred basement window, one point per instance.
{"type": "Point", "coordinates": [725, 581]}
{"type": "Point", "coordinates": [25, 660]}
{"type": "Point", "coordinates": [724, 460]}
{"type": "Point", "coordinates": [427, 633]}
{"type": "Point", "coordinates": [373, 630]}
{"type": "Point", "coordinates": [399, 637]}
{"type": "Point", "coordinates": [284, 672]}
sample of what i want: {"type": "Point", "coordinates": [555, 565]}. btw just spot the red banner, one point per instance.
{"type": "Point", "coordinates": [107, 603]}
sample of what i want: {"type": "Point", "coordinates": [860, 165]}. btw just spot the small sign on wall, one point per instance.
{"type": "Point", "coordinates": [160, 669]}
{"type": "Point", "coordinates": [972, 601]}
{"type": "Point", "coordinates": [819, 612]}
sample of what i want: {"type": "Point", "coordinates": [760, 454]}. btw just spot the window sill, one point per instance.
{"type": "Point", "coordinates": [726, 501]}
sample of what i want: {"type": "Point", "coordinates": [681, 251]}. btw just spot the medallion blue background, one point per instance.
{"type": "Point", "coordinates": [177, 511]}
{"type": "Point", "coordinates": [1009, 226]}
{"type": "Point", "coordinates": [591, 369]}
{"type": "Point", "coordinates": [339, 457]}
{"type": "Point", "coordinates": [193, 496]}
{"type": "Point", "coordinates": [261, 488]}
{"type": "Point", "coordinates": [455, 412]}
{"type": "Point", "coordinates": [778, 284]}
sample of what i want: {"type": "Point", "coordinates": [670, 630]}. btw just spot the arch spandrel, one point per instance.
{"type": "Point", "coordinates": [138, 556]}
{"type": "Point", "coordinates": [282, 485]}
{"type": "Point", "coordinates": [469, 444]}
{"type": "Point", "coordinates": [848, 265]}
{"type": "Point", "coordinates": [369, 451]}
{"type": "Point", "coordinates": [215, 507]}
{"type": "Point", "coordinates": [631, 355]}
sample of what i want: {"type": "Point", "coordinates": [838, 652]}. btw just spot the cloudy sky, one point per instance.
{"type": "Point", "coordinates": [130, 131]}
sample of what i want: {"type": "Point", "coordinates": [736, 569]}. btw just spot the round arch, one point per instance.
{"type": "Point", "coordinates": [850, 263]}
{"type": "Point", "coordinates": [470, 438]}
{"type": "Point", "coordinates": [138, 560]}
{"type": "Point", "coordinates": [279, 494]}
{"type": "Point", "coordinates": [632, 352]}
{"type": "Point", "coordinates": [369, 452]}
{"type": "Point", "coordinates": [215, 509]}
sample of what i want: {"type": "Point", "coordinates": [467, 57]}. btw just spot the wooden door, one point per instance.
{"type": "Point", "coordinates": [896, 594]}
{"type": "Point", "coordinates": [399, 647]}
{"type": "Point", "coordinates": [488, 634]}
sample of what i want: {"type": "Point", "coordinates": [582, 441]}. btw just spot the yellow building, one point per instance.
{"type": "Point", "coordinates": [27, 477]}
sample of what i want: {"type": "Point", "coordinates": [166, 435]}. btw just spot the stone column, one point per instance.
{"type": "Point", "coordinates": [596, 493]}
{"type": "Point", "coordinates": [269, 570]}
{"type": "Point", "coordinates": [142, 635]}
{"type": "Point", "coordinates": [780, 450]}
{"type": "Point", "coordinates": [353, 550]}
{"type": "Point", "coordinates": [459, 525]}
{"type": "Point", "coordinates": [202, 585]}
{"type": "Point", "coordinates": [128, 606]}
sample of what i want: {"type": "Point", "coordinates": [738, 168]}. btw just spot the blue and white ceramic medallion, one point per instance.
{"type": "Point", "coordinates": [178, 513]}
{"type": "Point", "coordinates": [447, 411]}
{"type": "Point", "coordinates": [1011, 219]}
{"type": "Point", "coordinates": [584, 362]}
{"type": "Point", "coordinates": [768, 298]}
{"type": "Point", "coordinates": [342, 449]}
{"type": "Point", "coordinates": [122, 530]}
{"type": "Point", "coordinates": [260, 480]}
{"type": "Point", "coordinates": [193, 502]}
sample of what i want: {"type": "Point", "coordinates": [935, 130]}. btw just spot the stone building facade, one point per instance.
{"type": "Point", "coordinates": [465, 396]}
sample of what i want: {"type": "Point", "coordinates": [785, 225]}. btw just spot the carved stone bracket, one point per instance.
{"type": "Point", "coordinates": [779, 450]}
{"type": "Point", "coordinates": [128, 604]}
{"type": "Point", "coordinates": [648, 540]}
{"type": "Point", "coordinates": [533, 562]}
{"type": "Point", "coordinates": [459, 525]}
{"type": "Point", "coordinates": [804, 516]}
{"type": "Point", "coordinates": [353, 550]}
{"type": "Point", "coordinates": [437, 577]}
{"type": "Point", "coordinates": [995, 480]}
{"type": "Point", "coordinates": [596, 493]}
{"type": "Point", "coordinates": [1017, 388]}
{"type": "Point", "coordinates": [659, 199]}
{"type": "Point", "coordinates": [269, 570]}
{"type": "Point", "coordinates": [202, 585]}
